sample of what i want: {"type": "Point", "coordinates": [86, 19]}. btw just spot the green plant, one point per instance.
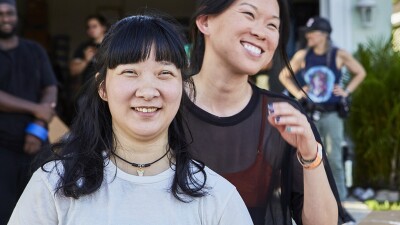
{"type": "Point", "coordinates": [380, 206]}
{"type": "Point", "coordinates": [374, 123]}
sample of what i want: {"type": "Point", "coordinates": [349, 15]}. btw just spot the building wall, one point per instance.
{"type": "Point", "coordinates": [381, 26]}
{"type": "Point", "coordinates": [348, 31]}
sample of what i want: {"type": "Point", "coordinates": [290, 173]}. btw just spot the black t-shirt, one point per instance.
{"type": "Point", "coordinates": [229, 145]}
{"type": "Point", "coordinates": [24, 72]}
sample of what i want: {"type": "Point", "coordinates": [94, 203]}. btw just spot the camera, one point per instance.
{"type": "Point", "coordinates": [311, 109]}
{"type": "Point", "coordinates": [316, 115]}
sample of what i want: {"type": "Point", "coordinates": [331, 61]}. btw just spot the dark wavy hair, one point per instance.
{"type": "Point", "coordinates": [91, 139]}
{"type": "Point", "coordinates": [214, 7]}
{"type": "Point", "coordinates": [100, 18]}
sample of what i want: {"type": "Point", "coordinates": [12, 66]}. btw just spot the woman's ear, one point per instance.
{"type": "Point", "coordinates": [102, 89]}
{"type": "Point", "coordinates": [202, 24]}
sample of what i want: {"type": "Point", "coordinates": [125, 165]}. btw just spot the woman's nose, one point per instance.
{"type": "Point", "coordinates": [259, 31]}
{"type": "Point", "coordinates": [147, 93]}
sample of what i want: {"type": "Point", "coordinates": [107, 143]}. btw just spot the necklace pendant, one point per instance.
{"type": "Point", "coordinates": [140, 172]}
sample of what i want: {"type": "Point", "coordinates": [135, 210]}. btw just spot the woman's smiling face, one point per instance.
{"type": "Point", "coordinates": [245, 35]}
{"type": "Point", "coordinates": [143, 97]}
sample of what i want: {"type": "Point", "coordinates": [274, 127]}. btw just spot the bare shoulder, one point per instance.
{"type": "Point", "coordinates": [300, 55]}
{"type": "Point", "coordinates": [343, 54]}
{"type": "Point", "coordinates": [298, 59]}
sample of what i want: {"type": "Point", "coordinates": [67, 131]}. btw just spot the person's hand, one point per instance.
{"type": "Point", "coordinates": [339, 91]}
{"type": "Point", "coordinates": [89, 53]}
{"type": "Point", "coordinates": [32, 144]}
{"type": "Point", "coordinates": [294, 128]}
{"type": "Point", "coordinates": [44, 111]}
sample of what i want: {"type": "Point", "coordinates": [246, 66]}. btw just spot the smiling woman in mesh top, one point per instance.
{"type": "Point", "coordinates": [260, 141]}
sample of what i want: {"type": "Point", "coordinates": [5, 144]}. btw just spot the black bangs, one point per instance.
{"type": "Point", "coordinates": [131, 41]}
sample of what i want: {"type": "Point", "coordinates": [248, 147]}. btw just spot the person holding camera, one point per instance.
{"type": "Point", "coordinates": [319, 72]}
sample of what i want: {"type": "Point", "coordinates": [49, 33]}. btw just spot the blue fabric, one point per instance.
{"type": "Point", "coordinates": [321, 75]}
{"type": "Point", "coordinates": [37, 131]}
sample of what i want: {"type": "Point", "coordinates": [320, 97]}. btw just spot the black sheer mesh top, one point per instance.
{"type": "Point", "coordinates": [251, 154]}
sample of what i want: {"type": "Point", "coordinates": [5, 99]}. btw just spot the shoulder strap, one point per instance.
{"type": "Point", "coordinates": [263, 123]}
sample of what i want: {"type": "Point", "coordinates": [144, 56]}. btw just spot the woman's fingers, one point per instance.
{"type": "Point", "coordinates": [293, 126]}
{"type": "Point", "coordinates": [287, 118]}
{"type": "Point", "coordinates": [281, 108]}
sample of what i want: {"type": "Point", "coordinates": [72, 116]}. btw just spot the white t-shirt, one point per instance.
{"type": "Point", "coordinates": [128, 199]}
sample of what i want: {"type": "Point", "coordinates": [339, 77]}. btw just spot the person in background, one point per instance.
{"type": "Point", "coordinates": [127, 160]}
{"type": "Point", "coordinates": [81, 64]}
{"type": "Point", "coordinates": [28, 95]}
{"type": "Point", "coordinates": [261, 141]}
{"type": "Point", "coordinates": [81, 67]}
{"type": "Point", "coordinates": [322, 62]}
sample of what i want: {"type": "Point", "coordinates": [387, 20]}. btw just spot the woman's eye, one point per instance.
{"type": "Point", "coordinates": [249, 14]}
{"type": "Point", "coordinates": [273, 26]}
{"type": "Point", "coordinates": [166, 73]}
{"type": "Point", "coordinates": [129, 72]}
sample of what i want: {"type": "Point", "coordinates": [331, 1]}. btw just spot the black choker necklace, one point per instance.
{"type": "Point", "coordinates": [140, 167]}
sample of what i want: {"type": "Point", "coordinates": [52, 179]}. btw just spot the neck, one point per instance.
{"type": "Point", "coordinates": [9, 43]}
{"type": "Point", "coordinates": [321, 49]}
{"type": "Point", "coordinates": [142, 153]}
{"type": "Point", "coordinates": [220, 92]}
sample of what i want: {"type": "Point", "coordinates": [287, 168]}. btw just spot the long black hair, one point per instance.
{"type": "Point", "coordinates": [84, 152]}
{"type": "Point", "coordinates": [215, 7]}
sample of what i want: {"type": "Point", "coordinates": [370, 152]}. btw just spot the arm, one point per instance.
{"type": "Point", "coordinates": [78, 65]}
{"type": "Point", "coordinates": [49, 98]}
{"type": "Point", "coordinates": [32, 144]}
{"type": "Point", "coordinates": [319, 204]}
{"type": "Point", "coordinates": [286, 78]}
{"type": "Point", "coordinates": [49, 95]}
{"type": "Point", "coordinates": [355, 68]}
{"type": "Point", "coordinates": [10, 103]}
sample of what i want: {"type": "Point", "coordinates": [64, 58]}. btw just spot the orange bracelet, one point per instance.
{"type": "Point", "coordinates": [315, 163]}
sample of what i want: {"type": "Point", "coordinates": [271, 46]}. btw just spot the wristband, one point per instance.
{"type": "Point", "coordinates": [314, 163]}
{"type": "Point", "coordinates": [309, 161]}
{"type": "Point", "coordinates": [37, 131]}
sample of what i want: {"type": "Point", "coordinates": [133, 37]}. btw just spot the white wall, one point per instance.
{"type": "Point", "coordinates": [348, 31]}
{"type": "Point", "coordinates": [339, 14]}
{"type": "Point", "coordinates": [381, 26]}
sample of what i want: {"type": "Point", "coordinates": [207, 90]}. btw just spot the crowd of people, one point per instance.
{"type": "Point", "coordinates": [163, 138]}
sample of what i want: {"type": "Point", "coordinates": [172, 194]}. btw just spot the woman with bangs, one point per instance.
{"type": "Point", "coordinates": [127, 160]}
{"type": "Point", "coordinates": [262, 142]}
